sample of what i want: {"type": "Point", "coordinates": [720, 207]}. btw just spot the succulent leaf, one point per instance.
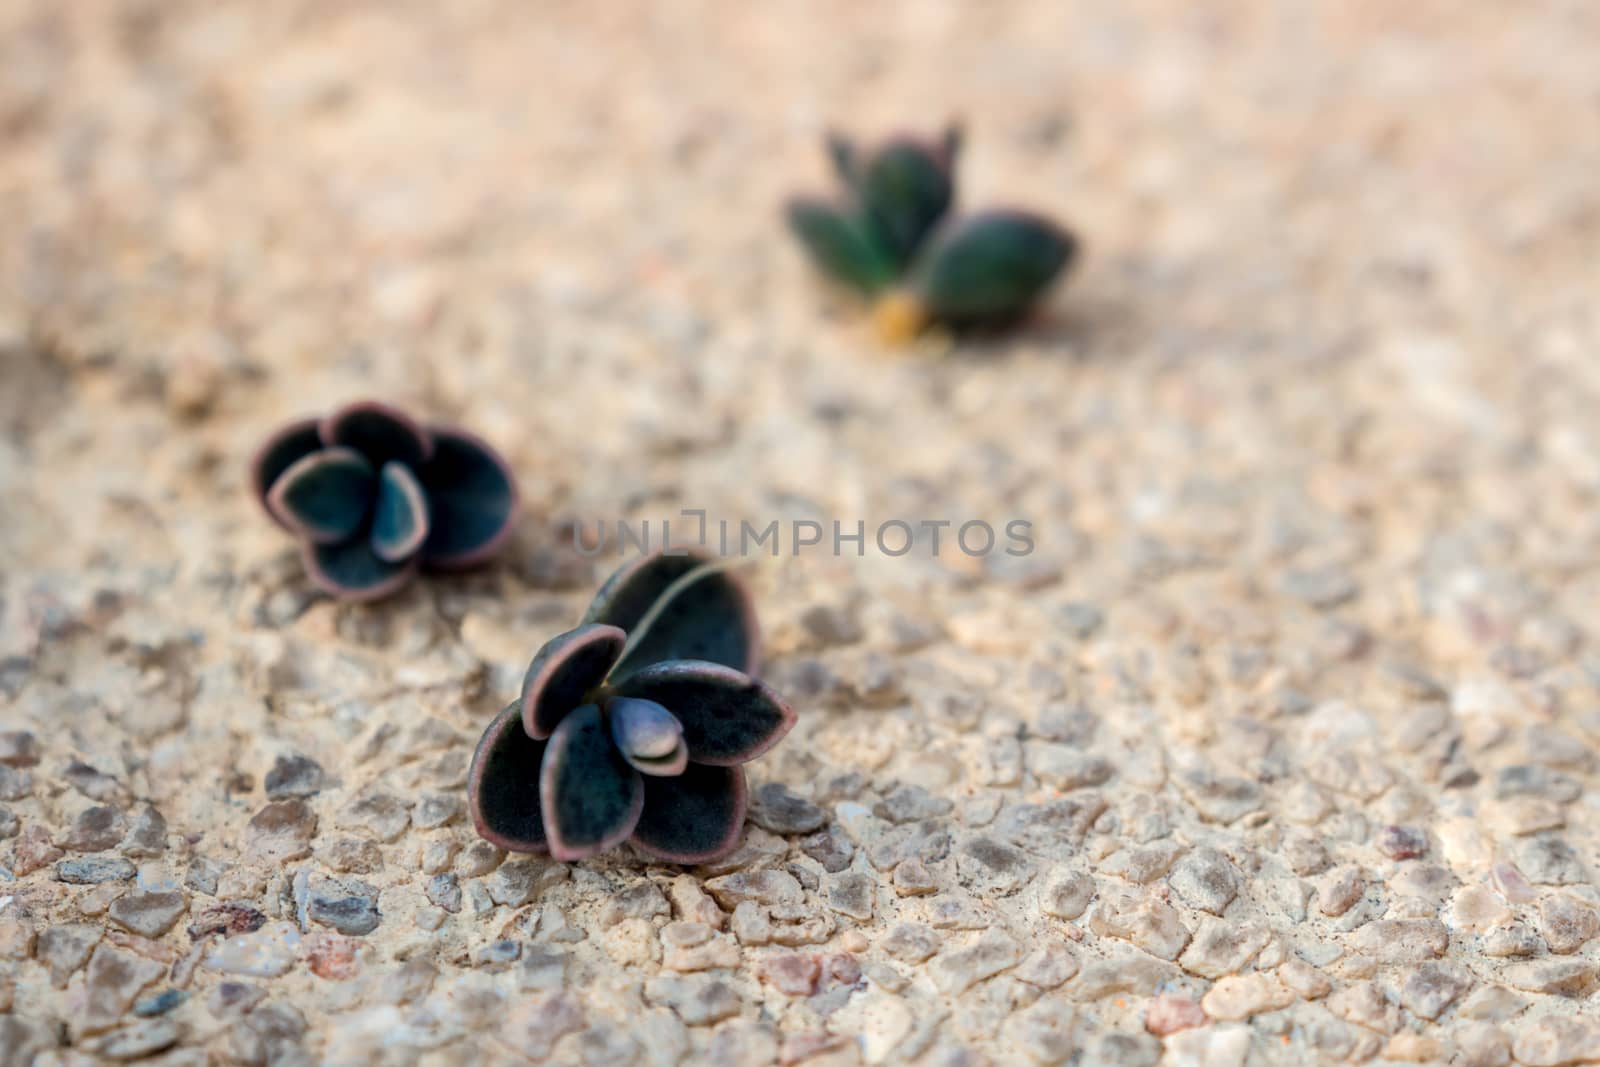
{"type": "Point", "coordinates": [839, 245]}
{"type": "Point", "coordinates": [672, 763]}
{"type": "Point", "coordinates": [564, 672]}
{"type": "Point", "coordinates": [379, 432]}
{"type": "Point", "coordinates": [324, 496]}
{"type": "Point", "coordinates": [473, 498]}
{"type": "Point", "coordinates": [991, 266]}
{"type": "Point", "coordinates": [400, 516]}
{"type": "Point", "coordinates": [503, 785]}
{"type": "Point", "coordinates": [728, 717]}
{"type": "Point", "coordinates": [591, 797]}
{"type": "Point", "coordinates": [643, 727]}
{"type": "Point", "coordinates": [906, 188]}
{"type": "Point", "coordinates": [711, 619]}
{"type": "Point", "coordinates": [280, 452]}
{"type": "Point", "coordinates": [351, 570]}
{"type": "Point", "coordinates": [693, 817]}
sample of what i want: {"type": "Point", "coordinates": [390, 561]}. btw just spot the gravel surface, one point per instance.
{"type": "Point", "coordinates": [1280, 748]}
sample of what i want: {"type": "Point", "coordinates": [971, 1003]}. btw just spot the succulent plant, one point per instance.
{"type": "Point", "coordinates": [891, 239]}
{"type": "Point", "coordinates": [373, 496]}
{"type": "Point", "coordinates": [633, 726]}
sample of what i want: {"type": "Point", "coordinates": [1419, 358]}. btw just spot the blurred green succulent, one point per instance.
{"type": "Point", "coordinates": [891, 238]}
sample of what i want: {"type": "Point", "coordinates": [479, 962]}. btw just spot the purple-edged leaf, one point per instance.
{"type": "Point", "coordinates": [400, 516]}
{"type": "Point", "coordinates": [379, 432]}
{"type": "Point", "coordinates": [352, 571]}
{"type": "Point", "coordinates": [473, 499]}
{"type": "Point", "coordinates": [694, 817]}
{"type": "Point", "coordinates": [591, 797]}
{"type": "Point", "coordinates": [991, 266]}
{"type": "Point", "coordinates": [564, 672]}
{"type": "Point", "coordinates": [727, 717]}
{"type": "Point", "coordinates": [503, 785]}
{"type": "Point", "coordinates": [711, 619]}
{"type": "Point", "coordinates": [325, 496]}
{"type": "Point", "coordinates": [280, 451]}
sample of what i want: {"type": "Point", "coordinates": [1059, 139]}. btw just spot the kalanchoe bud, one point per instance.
{"type": "Point", "coordinates": [634, 725]}
{"type": "Point", "coordinates": [644, 728]}
{"type": "Point", "coordinates": [649, 736]}
{"type": "Point", "coordinates": [373, 496]}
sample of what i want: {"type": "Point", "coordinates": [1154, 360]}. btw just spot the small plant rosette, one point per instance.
{"type": "Point", "coordinates": [374, 496]}
{"type": "Point", "coordinates": [639, 741]}
{"type": "Point", "coordinates": [891, 239]}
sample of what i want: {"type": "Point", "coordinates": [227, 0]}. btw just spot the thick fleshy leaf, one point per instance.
{"type": "Point", "coordinates": [280, 452]}
{"type": "Point", "coordinates": [591, 797]}
{"type": "Point", "coordinates": [991, 266]}
{"type": "Point", "coordinates": [643, 727]}
{"type": "Point", "coordinates": [473, 498]}
{"type": "Point", "coordinates": [727, 717]}
{"type": "Point", "coordinates": [400, 515]}
{"type": "Point", "coordinates": [564, 672]}
{"type": "Point", "coordinates": [672, 763]}
{"type": "Point", "coordinates": [712, 619]}
{"type": "Point", "coordinates": [905, 187]}
{"type": "Point", "coordinates": [694, 817]}
{"type": "Point", "coordinates": [839, 245]}
{"type": "Point", "coordinates": [503, 785]}
{"type": "Point", "coordinates": [326, 496]}
{"type": "Point", "coordinates": [352, 571]}
{"type": "Point", "coordinates": [379, 432]}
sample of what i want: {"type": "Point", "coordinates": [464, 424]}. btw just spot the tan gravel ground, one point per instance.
{"type": "Point", "coordinates": [1280, 748]}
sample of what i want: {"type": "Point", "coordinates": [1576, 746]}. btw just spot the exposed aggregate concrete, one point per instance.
{"type": "Point", "coordinates": [1280, 748]}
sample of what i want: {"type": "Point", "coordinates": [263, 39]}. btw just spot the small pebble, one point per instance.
{"type": "Point", "coordinates": [93, 870]}
{"type": "Point", "coordinates": [148, 914]}
{"type": "Point", "coordinates": [775, 808]}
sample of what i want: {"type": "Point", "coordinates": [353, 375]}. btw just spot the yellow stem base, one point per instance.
{"type": "Point", "coordinates": [898, 317]}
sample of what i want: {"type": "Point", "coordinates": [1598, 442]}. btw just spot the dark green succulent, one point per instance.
{"type": "Point", "coordinates": [374, 496]}
{"type": "Point", "coordinates": [633, 726]}
{"type": "Point", "coordinates": [891, 239]}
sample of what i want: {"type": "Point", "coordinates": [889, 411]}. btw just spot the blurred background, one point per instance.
{"type": "Point", "coordinates": [561, 219]}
